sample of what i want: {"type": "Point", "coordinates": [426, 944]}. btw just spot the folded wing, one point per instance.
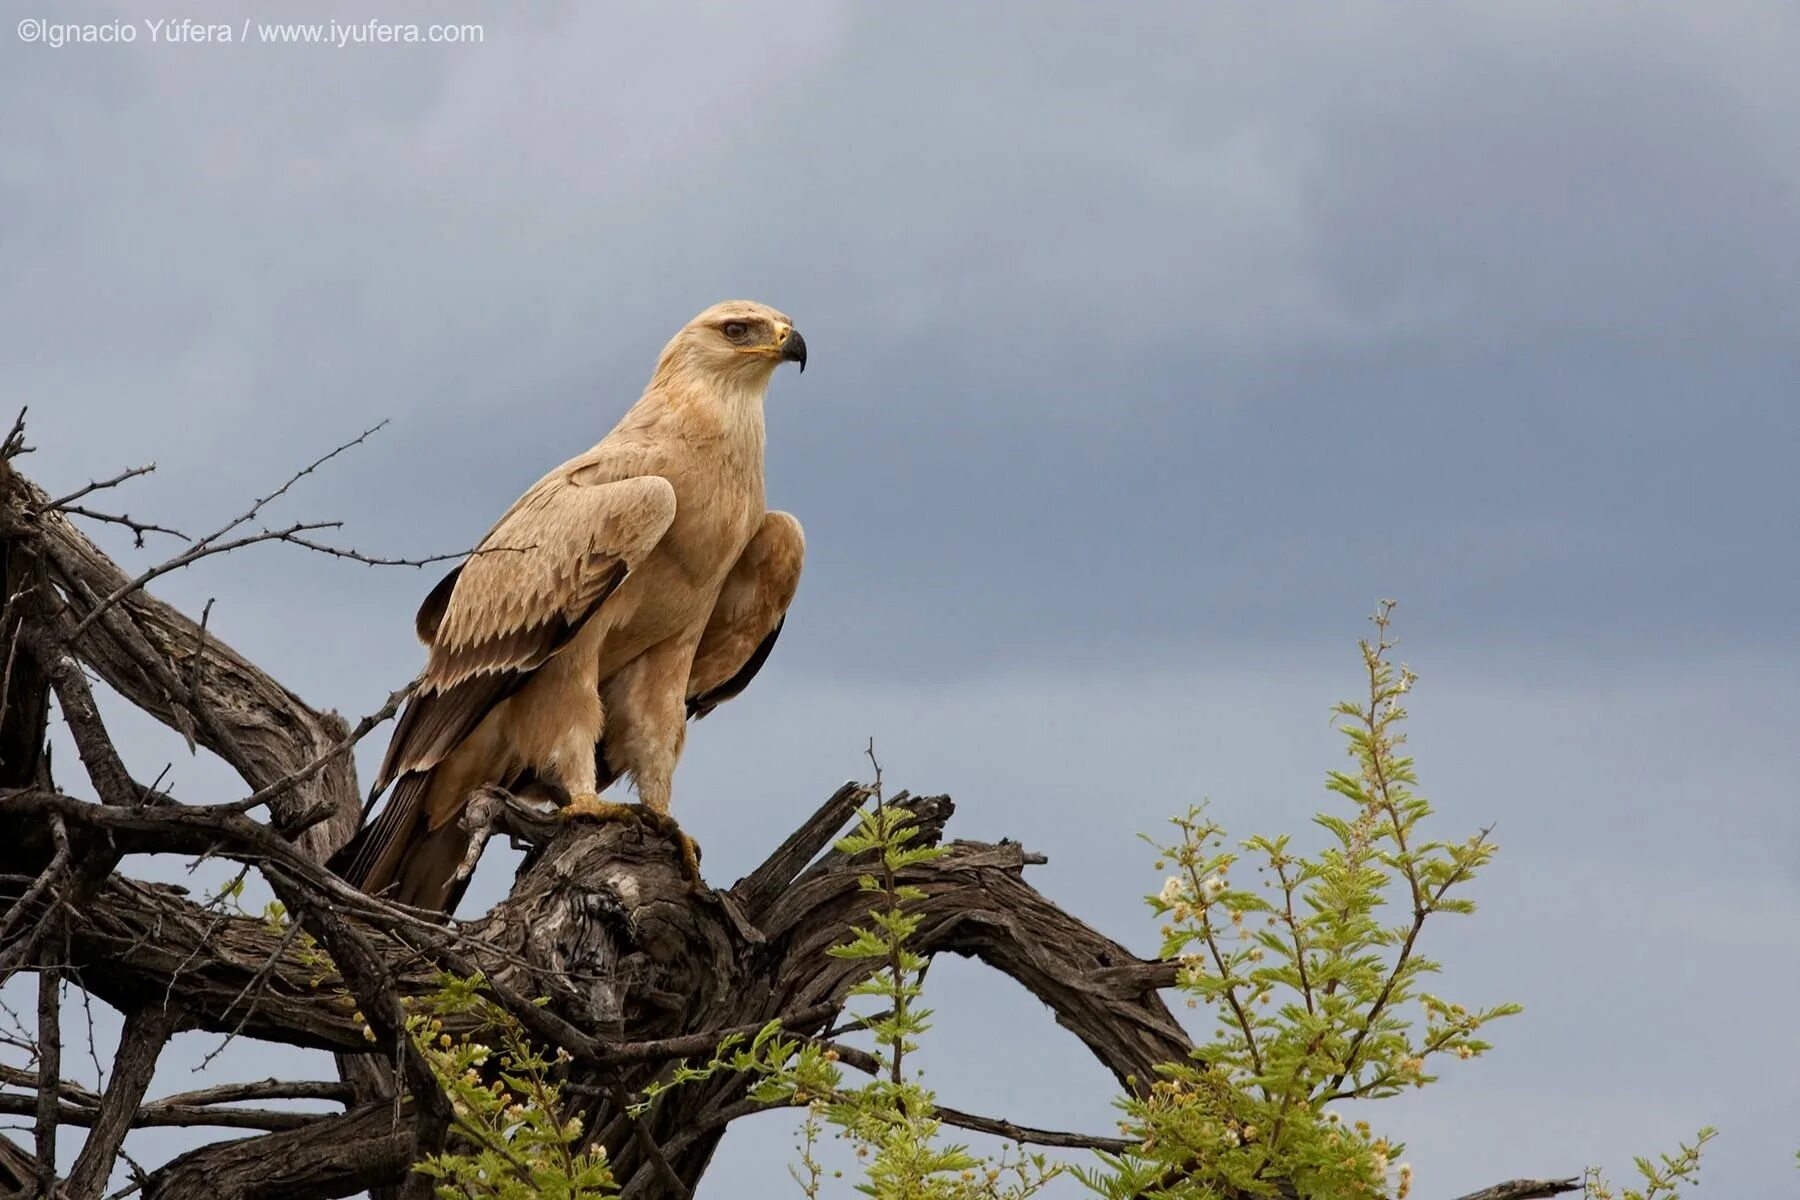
{"type": "Point", "coordinates": [749, 614]}
{"type": "Point", "coordinates": [524, 593]}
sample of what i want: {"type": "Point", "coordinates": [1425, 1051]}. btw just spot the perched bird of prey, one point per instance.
{"type": "Point", "coordinates": [635, 585]}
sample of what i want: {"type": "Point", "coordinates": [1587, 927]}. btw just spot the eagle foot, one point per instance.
{"type": "Point", "coordinates": [690, 858]}
{"type": "Point", "coordinates": [592, 807]}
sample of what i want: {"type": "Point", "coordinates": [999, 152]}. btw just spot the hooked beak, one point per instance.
{"type": "Point", "coordinates": [793, 349]}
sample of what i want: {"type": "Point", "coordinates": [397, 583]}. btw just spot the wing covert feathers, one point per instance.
{"type": "Point", "coordinates": [522, 595]}
{"type": "Point", "coordinates": [542, 569]}
{"type": "Point", "coordinates": [519, 598]}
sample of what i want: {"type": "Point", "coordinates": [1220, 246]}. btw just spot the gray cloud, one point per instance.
{"type": "Point", "coordinates": [1152, 343]}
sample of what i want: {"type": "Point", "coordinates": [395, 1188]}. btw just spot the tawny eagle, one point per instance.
{"type": "Point", "coordinates": [635, 585]}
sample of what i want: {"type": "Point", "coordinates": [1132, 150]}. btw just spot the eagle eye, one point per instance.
{"type": "Point", "coordinates": [737, 331]}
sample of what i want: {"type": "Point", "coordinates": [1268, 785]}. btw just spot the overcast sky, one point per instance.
{"type": "Point", "coordinates": [1150, 346]}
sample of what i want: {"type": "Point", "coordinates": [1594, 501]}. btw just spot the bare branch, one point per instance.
{"type": "Point", "coordinates": [756, 889]}
{"type": "Point", "coordinates": [62, 503]}
{"type": "Point", "coordinates": [104, 767]}
{"type": "Point", "coordinates": [370, 560]}
{"type": "Point", "coordinates": [138, 528]}
{"type": "Point", "coordinates": [58, 866]}
{"type": "Point", "coordinates": [49, 1050]}
{"type": "Point", "coordinates": [157, 659]}
{"type": "Point", "coordinates": [213, 1106]}
{"type": "Point", "coordinates": [193, 554]}
{"type": "Point", "coordinates": [14, 445]}
{"type": "Point", "coordinates": [262, 1089]}
{"type": "Point", "coordinates": [252, 992]}
{"type": "Point", "coordinates": [327, 1156]}
{"type": "Point", "coordinates": [689, 1045]}
{"type": "Point", "coordinates": [163, 1116]}
{"type": "Point", "coordinates": [1026, 1134]}
{"type": "Point", "coordinates": [146, 1032]}
{"type": "Point", "coordinates": [68, 1090]}
{"type": "Point", "coordinates": [213, 542]}
{"type": "Point", "coordinates": [1524, 1189]}
{"type": "Point", "coordinates": [18, 1169]}
{"type": "Point", "coordinates": [197, 661]}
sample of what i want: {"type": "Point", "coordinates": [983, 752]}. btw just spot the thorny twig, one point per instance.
{"type": "Point", "coordinates": [252, 989]}
{"type": "Point", "coordinates": [62, 503]}
{"type": "Point", "coordinates": [138, 528]}
{"type": "Point", "coordinates": [212, 543]}
{"type": "Point", "coordinates": [371, 560]}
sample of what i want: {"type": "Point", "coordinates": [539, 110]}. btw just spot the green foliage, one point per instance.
{"type": "Point", "coordinates": [889, 1119]}
{"type": "Point", "coordinates": [505, 1102]}
{"type": "Point", "coordinates": [1662, 1181]}
{"type": "Point", "coordinates": [1316, 991]}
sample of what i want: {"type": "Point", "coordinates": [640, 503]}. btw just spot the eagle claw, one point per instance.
{"type": "Point", "coordinates": [587, 804]}
{"type": "Point", "coordinates": [594, 808]}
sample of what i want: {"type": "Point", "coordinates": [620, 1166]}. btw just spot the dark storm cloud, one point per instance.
{"type": "Point", "coordinates": [1130, 324]}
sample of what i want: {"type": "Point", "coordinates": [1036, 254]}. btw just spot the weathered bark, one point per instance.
{"type": "Point", "coordinates": [147, 1031]}
{"type": "Point", "coordinates": [18, 1168]}
{"type": "Point", "coordinates": [331, 1156]}
{"type": "Point", "coordinates": [24, 686]}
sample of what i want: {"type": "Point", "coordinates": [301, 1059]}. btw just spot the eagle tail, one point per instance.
{"type": "Point", "coordinates": [399, 857]}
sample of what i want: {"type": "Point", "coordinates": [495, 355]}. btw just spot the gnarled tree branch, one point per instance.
{"type": "Point", "coordinates": [142, 647]}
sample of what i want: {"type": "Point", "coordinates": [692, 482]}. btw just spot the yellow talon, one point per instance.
{"type": "Point", "coordinates": [690, 857]}
{"type": "Point", "coordinates": [587, 804]}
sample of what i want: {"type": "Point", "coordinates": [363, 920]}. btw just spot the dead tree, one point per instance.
{"type": "Point", "coordinates": [639, 969]}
